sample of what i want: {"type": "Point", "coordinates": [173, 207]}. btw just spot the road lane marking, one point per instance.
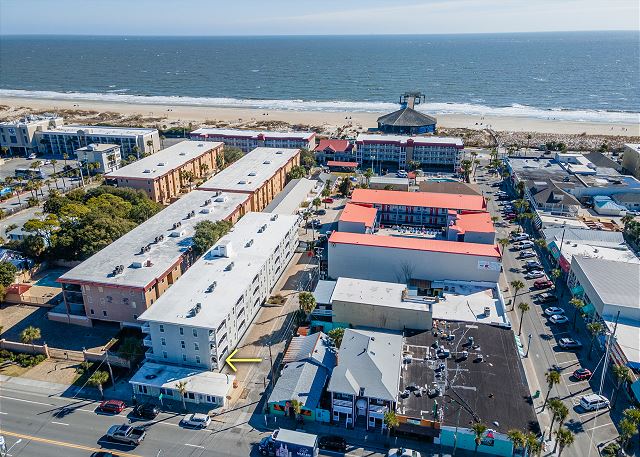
{"type": "Point", "coordinates": [62, 443]}
{"type": "Point", "coordinates": [4, 414]}
{"type": "Point", "coordinates": [27, 401]}
{"type": "Point", "coordinates": [609, 424]}
{"type": "Point", "coordinates": [194, 445]}
{"type": "Point", "coordinates": [59, 423]}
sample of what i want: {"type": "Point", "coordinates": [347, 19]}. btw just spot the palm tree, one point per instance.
{"type": "Point", "coordinates": [595, 328]}
{"type": "Point", "coordinates": [577, 306]}
{"type": "Point", "coordinates": [136, 151]}
{"type": "Point", "coordinates": [150, 145]}
{"type": "Point", "coordinates": [478, 430]}
{"type": "Point", "coordinates": [627, 428]}
{"type": "Point", "coordinates": [55, 177]}
{"type": "Point", "coordinates": [552, 377]}
{"type": "Point", "coordinates": [296, 405]}
{"type": "Point", "coordinates": [541, 243]}
{"type": "Point", "coordinates": [391, 421]}
{"type": "Point", "coordinates": [181, 387]}
{"type": "Point", "coordinates": [29, 335]}
{"type": "Point", "coordinates": [368, 174]}
{"type": "Point", "coordinates": [622, 375]}
{"type": "Point", "coordinates": [326, 193]}
{"type": "Point", "coordinates": [99, 379]}
{"type": "Point", "coordinates": [503, 242]}
{"type": "Point", "coordinates": [466, 169]}
{"type": "Point", "coordinates": [555, 404]}
{"type": "Point", "coordinates": [517, 438]}
{"type": "Point", "coordinates": [523, 307]}
{"type": "Point", "coordinates": [555, 274]}
{"type": "Point", "coordinates": [533, 444]}
{"type": "Point", "coordinates": [316, 203]}
{"type": "Point", "coordinates": [517, 286]}
{"type": "Point", "coordinates": [204, 168]}
{"type": "Point", "coordinates": [564, 438]}
{"type": "Point", "coordinates": [307, 302]}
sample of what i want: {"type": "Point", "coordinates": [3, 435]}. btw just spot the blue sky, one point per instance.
{"type": "Point", "coordinates": [312, 17]}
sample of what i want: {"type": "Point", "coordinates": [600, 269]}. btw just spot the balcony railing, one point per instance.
{"type": "Point", "coordinates": [147, 342]}
{"type": "Point", "coordinates": [146, 328]}
{"type": "Point", "coordinates": [343, 403]}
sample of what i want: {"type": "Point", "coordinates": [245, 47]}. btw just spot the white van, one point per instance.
{"type": "Point", "coordinates": [593, 402]}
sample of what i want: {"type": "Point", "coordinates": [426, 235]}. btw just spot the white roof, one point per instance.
{"type": "Point", "coordinates": [324, 291]}
{"type": "Point", "coordinates": [621, 254]}
{"type": "Point", "coordinates": [417, 140]}
{"type": "Point", "coordinates": [198, 381]}
{"type": "Point", "coordinates": [30, 119]}
{"type": "Point", "coordinates": [389, 180]}
{"type": "Point", "coordinates": [248, 258]}
{"type": "Point", "coordinates": [292, 196]}
{"type": "Point", "coordinates": [559, 221]}
{"type": "Point", "coordinates": [250, 172]}
{"type": "Point", "coordinates": [253, 134]}
{"type": "Point", "coordinates": [616, 283]}
{"type": "Point", "coordinates": [99, 147]}
{"type": "Point", "coordinates": [377, 293]}
{"type": "Point", "coordinates": [164, 161]}
{"type": "Point", "coordinates": [164, 254]}
{"type": "Point", "coordinates": [627, 336]}
{"type": "Point", "coordinates": [100, 130]}
{"type": "Point", "coordinates": [466, 302]}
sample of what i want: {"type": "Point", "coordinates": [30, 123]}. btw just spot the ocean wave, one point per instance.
{"type": "Point", "coordinates": [515, 110]}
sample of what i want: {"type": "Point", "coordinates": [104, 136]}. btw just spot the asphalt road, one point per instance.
{"type": "Point", "coordinates": [590, 428]}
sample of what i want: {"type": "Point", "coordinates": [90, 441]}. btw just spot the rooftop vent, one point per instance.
{"type": "Point", "coordinates": [266, 162]}
{"type": "Point", "coordinates": [279, 152]}
{"type": "Point", "coordinates": [249, 243]}
{"type": "Point", "coordinates": [177, 233]}
{"type": "Point", "coordinates": [200, 145]}
{"type": "Point", "coordinates": [195, 310]}
{"type": "Point", "coordinates": [176, 225]}
{"type": "Point", "coordinates": [230, 267]}
{"type": "Point", "coordinates": [274, 217]}
{"type": "Point", "coordinates": [262, 228]}
{"type": "Point", "coordinates": [212, 287]}
{"type": "Point", "coordinates": [253, 173]}
{"type": "Point", "coordinates": [117, 270]}
{"type": "Point", "coordinates": [147, 171]}
{"type": "Point", "coordinates": [242, 181]}
{"type": "Point", "coordinates": [162, 164]}
{"type": "Point", "coordinates": [183, 154]}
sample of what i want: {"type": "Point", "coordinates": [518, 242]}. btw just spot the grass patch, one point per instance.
{"type": "Point", "coordinates": [83, 373]}
{"type": "Point", "coordinates": [11, 369]}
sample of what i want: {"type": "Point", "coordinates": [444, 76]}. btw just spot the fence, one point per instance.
{"type": "Point", "coordinates": [24, 348]}
{"type": "Point", "coordinates": [64, 354]}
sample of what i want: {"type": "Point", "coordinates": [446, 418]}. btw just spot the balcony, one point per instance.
{"type": "Point", "coordinates": [146, 328]}
{"type": "Point", "coordinates": [149, 354]}
{"type": "Point", "coordinates": [343, 403]}
{"type": "Point", "coordinates": [147, 342]}
{"type": "Point", "coordinates": [322, 312]}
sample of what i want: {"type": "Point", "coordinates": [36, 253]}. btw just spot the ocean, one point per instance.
{"type": "Point", "coordinates": [578, 76]}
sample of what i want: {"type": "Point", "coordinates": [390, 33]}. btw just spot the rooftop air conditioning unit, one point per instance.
{"type": "Point", "coordinates": [207, 210]}
{"type": "Point", "coordinates": [212, 287]}
{"type": "Point", "coordinates": [162, 164]}
{"type": "Point", "coordinates": [230, 267]}
{"type": "Point", "coordinates": [221, 198]}
{"type": "Point", "coordinates": [147, 171]}
{"type": "Point", "coordinates": [274, 217]}
{"type": "Point", "coordinates": [249, 243]}
{"type": "Point", "coordinates": [177, 233]}
{"type": "Point", "coordinates": [266, 162]}
{"type": "Point", "coordinates": [141, 263]}
{"type": "Point", "coordinates": [253, 173]}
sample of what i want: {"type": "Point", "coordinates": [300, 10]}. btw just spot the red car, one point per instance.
{"type": "Point", "coordinates": [327, 200]}
{"type": "Point", "coordinates": [582, 373]}
{"type": "Point", "coordinates": [542, 284]}
{"type": "Point", "coordinates": [112, 406]}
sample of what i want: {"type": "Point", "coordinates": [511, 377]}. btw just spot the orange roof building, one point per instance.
{"type": "Point", "coordinates": [471, 227]}
{"type": "Point", "coordinates": [403, 259]}
{"type": "Point", "coordinates": [357, 219]}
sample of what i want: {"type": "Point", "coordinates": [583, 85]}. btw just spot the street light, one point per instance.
{"type": "Point", "coordinates": [528, 345]}
{"type": "Point", "coordinates": [2, 446]}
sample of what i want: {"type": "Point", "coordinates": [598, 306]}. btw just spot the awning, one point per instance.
{"type": "Point", "coordinates": [635, 388]}
{"type": "Point", "coordinates": [336, 163]}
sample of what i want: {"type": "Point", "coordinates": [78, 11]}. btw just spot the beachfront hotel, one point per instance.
{"type": "Point", "coordinates": [125, 278]}
{"type": "Point", "coordinates": [65, 139]}
{"type": "Point", "coordinates": [260, 174]}
{"type": "Point", "coordinates": [201, 319]}
{"type": "Point", "coordinates": [442, 153]}
{"type": "Point", "coordinates": [248, 140]}
{"type": "Point", "coordinates": [107, 156]}
{"type": "Point", "coordinates": [18, 136]}
{"type": "Point", "coordinates": [161, 175]}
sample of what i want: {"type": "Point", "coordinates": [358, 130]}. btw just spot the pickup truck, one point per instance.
{"type": "Point", "coordinates": [126, 434]}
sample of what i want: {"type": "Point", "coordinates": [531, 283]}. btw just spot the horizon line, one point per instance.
{"type": "Point", "coordinates": [2, 35]}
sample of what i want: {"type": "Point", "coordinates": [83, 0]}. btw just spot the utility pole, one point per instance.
{"type": "Point", "coordinates": [113, 381]}
{"type": "Point", "coordinates": [528, 346]}
{"type": "Point", "coordinates": [271, 362]}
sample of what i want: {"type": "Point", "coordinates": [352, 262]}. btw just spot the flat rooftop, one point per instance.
{"type": "Point", "coordinates": [540, 169]}
{"type": "Point", "coordinates": [494, 391]}
{"type": "Point", "coordinates": [98, 147]}
{"type": "Point", "coordinates": [628, 338]}
{"type": "Point", "coordinates": [560, 221]}
{"type": "Point", "coordinates": [164, 161]}
{"type": "Point", "coordinates": [421, 199]}
{"type": "Point", "coordinates": [389, 180]}
{"type": "Point", "coordinates": [474, 222]}
{"type": "Point", "coordinates": [415, 244]}
{"type": "Point", "coordinates": [573, 248]}
{"type": "Point", "coordinates": [377, 293]}
{"type": "Point", "coordinates": [248, 248]}
{"type": "Point", "coordinates": [250, 172]}
{"type": "Point", "coordinates": [467, 302]}
{"type": "Point", "coordinates": [100, 130]}
{"type": "Point", "coordinates": [252, 134]}
{"type": "Point", "coordinates": [163, 254]}
{"type": "Point", "coordinates": [357, 213]}
{"type": "Point", "coordinates": [417, 140]}
{"type": "Point", "coordinates": [288, 201]}
{"type": "Point", "coordinates": [167, 376]}
{"type": "Point", "coordinates": [616, 283]}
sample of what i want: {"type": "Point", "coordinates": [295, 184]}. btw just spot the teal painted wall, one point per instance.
{"type": "Point", "coordinates": [310, 417]}
{"type": "Point", "coordinates": [466, 440]}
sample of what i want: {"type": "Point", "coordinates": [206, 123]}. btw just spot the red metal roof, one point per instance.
{"type": "Point", "coordinates": [359, 213]}
{"type": "Point", "coordinates": [474, 222]}
{"type": "Point", "coordinates": [335, 163]}
{"type": "Point", "coordinates": [422, 199]}
{"type": "Point", "coordinates": [18, 288]}
{"type": "Point", "coordinates": [335, 145]}
{"type": "Point", "coordinates": [416, 244]}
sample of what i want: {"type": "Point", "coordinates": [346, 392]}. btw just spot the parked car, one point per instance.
{"type": "Point", "coordinates": [197, 420]}
{"type": "Point", "coordinates": [524, 244]}
{"type": "Point", "coordinates": [543, 284]}
{"type": "Point", "coordinates": [332, 443]}
{"type": "Point", "coordinates": [526, 255]}
{"type": "Point", "coordinates": [532, 265]}
{"type": "Point", "coordinates": [321, 212]}
{"type": "Point", "coordinates": [553, 311]}
{"type": "Point", "coordinates": [403, 452]}
{"type": "Point", "coordinates": [327, 200]}
{"type": "Point", "coordinates": [569, 343]}
{"type": "Point", "coordinates": [104, 454]}
{"type": "Point", "coordinates": [520, 237]}
{"type": "Point", "coordinates": [534, 274]}
{"type": "Point", "coordinates": [547, 297]}
{"type": "Point", "coordinates": [146, 411]}
{"type": "Point", "coordinates": [558, 319]}
{"type": "Point", "coordinates": [112, 406]}
{"type": "Point", "coordinates": [593, 402]}
{"type": "Point", "coordinates": [126, 434]}
{"type": "Point", "coordinates": [582, 374]}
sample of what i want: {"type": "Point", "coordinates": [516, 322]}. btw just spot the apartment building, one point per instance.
{"type": "Point", "coordinates": [261, 174]}
{"type": "Point", "coordinates": [631, 159]}
{"type": "Point", "coordinates": [162, 175]}
{"type": "Point", "coordinates": [128, 276]}
{"type": "Point", "coordinates": [107, 156]}
{"type": "Point", "coordinates": [247, 140]}
{"type": "Point", "coordinates": [399, 151]}
{"type": "Point", "coordinates": [417, 208]}
{"type": "Point", "coordinates": [19, 135]}
{"type": "Point", "coordinates": [66, 139]}
{"type": "Point", "coordinates": [199, 321]}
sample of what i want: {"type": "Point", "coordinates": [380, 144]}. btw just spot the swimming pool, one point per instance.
{"type": "Point", "coordinates": [442, 180]}
{"type": "Point", "coordinates": [49, 280]}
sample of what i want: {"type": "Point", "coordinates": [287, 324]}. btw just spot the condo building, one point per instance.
{"type": "Point", "coordinates": [399, 151]}
{"type": "Point", "coordinates": [65, 139]}
{"type": "Point", "coordinates": [200, 320]}
{"type": "Point", "coordinates": [128, 276]}
{"type": "Point", "coordinates": [19, 136]}
{"type": "Point", "coordinates": [162, 175]}
{"type": "Point", "coordinates": [248, 140]}
{"type": "Point", "coordinates": [261, 174]}
{"type": "Point", "coordinates": [107, 156]}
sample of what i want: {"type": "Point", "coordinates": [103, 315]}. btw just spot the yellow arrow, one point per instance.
{"type": "Point", "coordinates": [230, 360]}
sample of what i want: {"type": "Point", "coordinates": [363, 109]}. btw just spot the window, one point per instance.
{"type": "Point", "coordinates": [196, 346]}
{"type": "Point", "coordinates": [167, 392]}
{"type": "Point", "coordinates": [164, 354]}
{"type": "Point", "coordinates": [181, 331]}
{"type": "Point", "coordinates": [135, 316]}
{"type": "Point", "coordinates": [142, 388]}
{"type": "Point", "coordinates": [163, 341]}
{"type": "Point", "coordinates": [184, 357]}
{"type": "Point", "coordinates": [104, 313]}
{"type": "Point", "coordinates": [195, 333]}
{"type": "Point", "coordinates": [197, 359]}
{"type": "Point", "coordinates": [161, 328]}
{"type": "Point", "coordinates": [92, 311]}
{"type": "Point", "coordinates": [182, 344]}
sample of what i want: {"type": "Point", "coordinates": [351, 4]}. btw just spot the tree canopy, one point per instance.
{"type": "Point", "coordinates": [231, 154]}
{"type": "Point", "coordinates": [207, 233]}
{"type": "Point", "coordinates": [7, 273]}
